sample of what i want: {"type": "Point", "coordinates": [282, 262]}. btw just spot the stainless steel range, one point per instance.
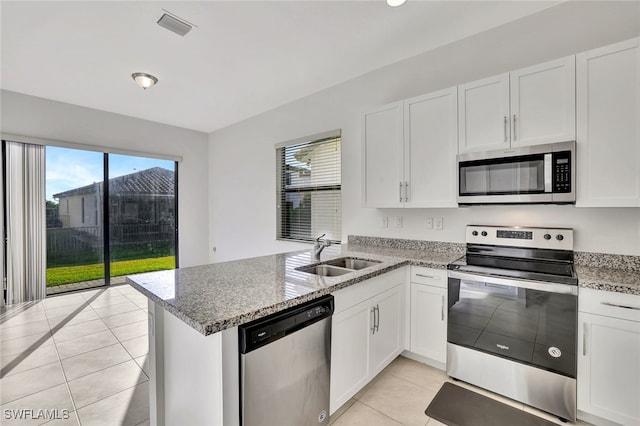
{"type": "Point", "coordinates": [513, 311]}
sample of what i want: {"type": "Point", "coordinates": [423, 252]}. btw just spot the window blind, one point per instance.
{"type": "Point", "coordinates": [309, 200]}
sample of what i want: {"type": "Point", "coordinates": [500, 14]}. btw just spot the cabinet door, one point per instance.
{"type": "Point", "coordinates": [608, 139]}
{"type": "Point", "coordinates": [609, 368]}
{"type": "Point", "coordinates": [431, 145]}
{"type": "Point", "coordinates": [483, 114]}
{"type": "Point", "coordinates": [429, 322]}
{"type": "Point", "coordinates": [387, 336]}
{"type": "Point", "coordinates": [543, 103]}
{"type": "Point", "coordinates": [383, 157]}
{"type": "Point", "coordinates": [350, 331]}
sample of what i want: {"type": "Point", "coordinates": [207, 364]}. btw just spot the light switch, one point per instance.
{"type": "Point", "coordinates": [438, 223]}
{"type": "Point", "coordinates": [384, 221]}
{"type": "Point", "coordinates": [429, 223]}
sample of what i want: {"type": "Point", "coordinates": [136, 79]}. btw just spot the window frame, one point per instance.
{"type": "Point", "coordinates": [280, 190]}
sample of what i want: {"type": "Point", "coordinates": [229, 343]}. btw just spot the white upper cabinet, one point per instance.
{"type": "Point", "coordinates": [531, 106]}
{"type": "Point", "coordinates": [409, 154]}
{"type": "Point", "coordinates": [383, 157]}
{"type": "Point", "coordinates": [608, 140]}
{"type": "Point", "coordinates": [430, 148]}
{"type": "Point", "coordinates": [483, 112]}
{"type": "Point", "coordinates": [543, 103]}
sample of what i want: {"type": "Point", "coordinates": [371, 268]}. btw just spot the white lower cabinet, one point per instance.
{"type": "Point", "coordinates": [429, 313]}
{"type": "Point", "coordinates": [609, 356]}
{"type": "Point", "coordinates": [385, 340]}
{"type": "Point", "coordinates": [367, 333]}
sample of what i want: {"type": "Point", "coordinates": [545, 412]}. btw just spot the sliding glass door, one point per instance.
{"type": "Point", "coordinates": [97, 235]}
{"type": "Point", "coordinates": [142, 215]}
{"type": "Point", "coordinates": [74, 219]}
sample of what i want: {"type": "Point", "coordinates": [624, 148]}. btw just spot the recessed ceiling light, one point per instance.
{"type": "Point", "coordinates": [396, 3]}
{"type": "Point", "coordinates": [144, 80]}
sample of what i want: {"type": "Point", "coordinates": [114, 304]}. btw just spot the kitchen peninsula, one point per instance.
{"type": "Point", "coordinates": [194, 312]}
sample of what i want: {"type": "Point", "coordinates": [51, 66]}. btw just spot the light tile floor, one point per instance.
{"type": "Point", "coordinates": [79, 355]}
{"type": "Point", "coordinates": [400, 394]}
{"type": "Point", "coordinates": [86, 353]}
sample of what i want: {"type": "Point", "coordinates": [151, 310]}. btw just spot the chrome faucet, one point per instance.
{"type": "Point", "coordinates": [319, 246]}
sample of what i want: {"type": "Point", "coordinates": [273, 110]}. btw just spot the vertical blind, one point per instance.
{"type": "Point", "coordinates": [25, 210]}
{"type": "Point", "coordinates": [309, 197]}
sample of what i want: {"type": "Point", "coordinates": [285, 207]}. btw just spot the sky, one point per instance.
{"type": "Point", "coordinates": [72, 168]}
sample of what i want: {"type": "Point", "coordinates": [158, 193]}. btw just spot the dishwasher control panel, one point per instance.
{"type": "Point", "coordinates": [265, 330]}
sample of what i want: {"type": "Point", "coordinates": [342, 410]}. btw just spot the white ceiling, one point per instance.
{"type": "Point", "coordinates": [244, 58]}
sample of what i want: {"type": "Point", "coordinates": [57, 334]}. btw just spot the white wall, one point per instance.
{"type": "Point", "coordinates": [41, 118]}
{"type": "Point", "coordinates": [242, 157]}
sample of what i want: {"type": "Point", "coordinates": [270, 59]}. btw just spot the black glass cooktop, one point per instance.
{"type": "Point", "coordinates": [555, 266]}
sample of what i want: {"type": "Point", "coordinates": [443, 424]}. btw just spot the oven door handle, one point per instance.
{"type": "Point", "coordinates": [514, 282]}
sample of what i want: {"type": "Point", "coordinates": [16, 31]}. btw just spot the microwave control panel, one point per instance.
{"type": "Point", "coordinates": [562, 171]}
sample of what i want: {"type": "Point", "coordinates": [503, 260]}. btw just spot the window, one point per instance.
{"type": "Point", "coordinates": [309, 200]}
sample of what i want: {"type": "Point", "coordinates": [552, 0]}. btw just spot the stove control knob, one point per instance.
{"type": "Point", "coordinates": [559, 237]}
{"type": "Point", "coordinates": [484, 233]}
{"type": "Point", "coordinates": [547, 236]}
{"type": "Point", "coordinates": [474, 233]}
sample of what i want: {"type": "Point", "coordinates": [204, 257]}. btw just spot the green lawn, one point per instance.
{"type": "Point", "coordinates": [73, 274]}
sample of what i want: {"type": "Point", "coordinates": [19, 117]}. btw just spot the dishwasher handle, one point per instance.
{"type": "Point", "coordinates": [263, 331]}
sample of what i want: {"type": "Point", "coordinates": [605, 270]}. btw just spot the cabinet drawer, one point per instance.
{"type": "Point", "coordinates": [428, 276]}
{"type": "Point", "coordinates": [608, 303]}
{"type": "Point", "coordinates": [350, 296]}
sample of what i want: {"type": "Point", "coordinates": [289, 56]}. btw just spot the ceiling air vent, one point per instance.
{"type": "Point", "coordinates": [174, 24]}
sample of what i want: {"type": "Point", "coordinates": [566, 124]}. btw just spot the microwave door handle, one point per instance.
{"type": "Point", "coordinates": [548, 172]}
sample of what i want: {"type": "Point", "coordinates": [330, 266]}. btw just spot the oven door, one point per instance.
{"type": "Point", "coordinates": [530, 322]}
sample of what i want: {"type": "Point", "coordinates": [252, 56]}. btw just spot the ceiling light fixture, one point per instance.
{"type": "Point", "coordinates": [144, 80]}
{"type": "Point", "coordinates": [396, 3]}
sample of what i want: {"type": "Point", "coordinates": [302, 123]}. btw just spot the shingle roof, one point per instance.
{"type": "Point", "coordinates": [154, 181]}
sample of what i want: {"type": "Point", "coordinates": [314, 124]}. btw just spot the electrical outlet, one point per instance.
{"type": "Point", "coordinates": [384, 221]}
{"type": "Point", "coordinates": [398, 221]}
{"type": "Point", "coordinates": [429, 223]}
{"type": "Point", "coordinates": [438, 223]}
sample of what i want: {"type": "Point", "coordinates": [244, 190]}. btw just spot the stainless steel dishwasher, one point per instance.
{"type": "Point", "coordinates": [285, 364]}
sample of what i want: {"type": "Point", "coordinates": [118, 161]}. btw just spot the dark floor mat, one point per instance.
{"type": "Point", "coordinates": [457, 406]}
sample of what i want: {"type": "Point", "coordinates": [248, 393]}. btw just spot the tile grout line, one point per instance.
{"type": "Point", "coordinates": [379, 412]}
{"type": "Point", "coordinates": [33, 393]}
{"type": "Point", "coordinates": [73, 402]}
{"type": "Point", "coordinates": [64, 374]}
{"type": "Point", "coordinates": [102, 369]}
{"type": "Point", "coordinates": [110, 395]}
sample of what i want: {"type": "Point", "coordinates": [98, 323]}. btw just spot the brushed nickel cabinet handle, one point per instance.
{"type": "Point", "coordinates": [373, 321]}
{"type": "Point", "coordinates": [514, 127]}
{"type": "Point", "coordinates": [584, 339]}
{"type": "Point", "coordinates": [400, 191]}
{"type": "Point", "coordinates": [406, 192]}
{"type": "Point", "coordinates": [442, 309]}
{"type": "Point", "coordinates": [431, 277]}
{"type": "Point", "coordinates": [615, 305]}
{"type": "Point", "coordinates": [377, 317]}
{"type": "Point", "coordinates": [505, 128]}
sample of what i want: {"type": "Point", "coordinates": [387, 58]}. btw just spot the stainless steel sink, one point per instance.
{"type": "Point", "coordinates": [337, 267]}
{"type": "Point", "coordinates": [325, 270]}
{"type": "Point", "coordinates": [353, 263]}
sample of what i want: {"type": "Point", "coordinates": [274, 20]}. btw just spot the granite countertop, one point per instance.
{"type": "Point", "coordinates": [609, 279]}
{"type": "Point", "coordinates": [212, 298]}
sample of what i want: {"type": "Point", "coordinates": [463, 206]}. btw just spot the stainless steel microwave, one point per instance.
{"type": "Point", "coordinates": [543, 174]}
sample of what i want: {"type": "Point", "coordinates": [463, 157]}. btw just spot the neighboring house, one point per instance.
{"type": "Point", "coordinates": [144, 197]}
